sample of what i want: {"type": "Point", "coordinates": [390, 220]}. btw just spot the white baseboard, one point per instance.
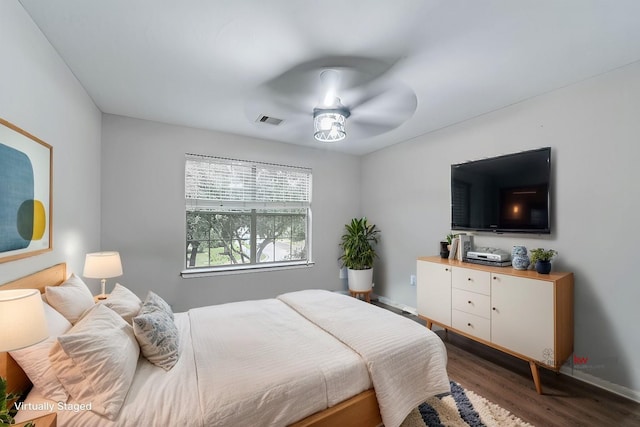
{"type": "Point", "coordinates": [566, 370]}
{"type": "Point", "coordinates": [601, 383]}
{"type": "Point", "coordinates": [394, 304]}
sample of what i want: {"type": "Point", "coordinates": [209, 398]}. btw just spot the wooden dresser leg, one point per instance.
{"type": "Point", "coordinates": [429, 324]}
{"type": "Point", "coordinates": [536, 376]}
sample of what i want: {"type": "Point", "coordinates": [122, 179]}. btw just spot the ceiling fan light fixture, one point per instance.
{"type": "Point", "coordinates": [328, 125]}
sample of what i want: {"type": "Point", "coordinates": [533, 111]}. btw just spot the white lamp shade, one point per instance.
{"type": "Point", "coordinates": [22, 319]}
{"type": "Point", "coordinates": [102, 265]}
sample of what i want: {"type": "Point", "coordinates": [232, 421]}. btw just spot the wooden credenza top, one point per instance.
{"type": "Point", "coordinates": [554, 276]}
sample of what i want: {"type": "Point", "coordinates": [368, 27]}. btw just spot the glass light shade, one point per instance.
{"type": "Point", "coordinates": [102, 265]}
{"type": "Point", "coordinates": [22, 319]}
{"type": "Point", "coordinates": [328, 125]}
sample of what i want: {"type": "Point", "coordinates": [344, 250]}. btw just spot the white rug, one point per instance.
{"type": "Point", "coordinates": [461, 408]}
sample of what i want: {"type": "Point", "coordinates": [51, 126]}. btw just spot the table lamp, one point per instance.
{"type": "Point", "coordinates": [22, 319]}
{"type": "Point", "coordinates": [102, 265]}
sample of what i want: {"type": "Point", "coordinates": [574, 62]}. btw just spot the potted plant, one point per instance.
{"type": "Point", "coordinates": [358, 253]}
{"type": "Point", "coordinates": [445, 245]}
{"type": "Point", "coordinates": [541, 258]}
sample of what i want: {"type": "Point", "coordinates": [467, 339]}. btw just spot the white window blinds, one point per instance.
{"type": "Point", "coordinates": [213, 183]}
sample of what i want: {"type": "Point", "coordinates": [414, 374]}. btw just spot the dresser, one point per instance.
{"type": "Point", "coordinates": [522, 313]}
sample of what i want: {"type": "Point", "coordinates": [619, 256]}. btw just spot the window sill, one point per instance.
{"type": "Point", "coordinates": [193, 273]}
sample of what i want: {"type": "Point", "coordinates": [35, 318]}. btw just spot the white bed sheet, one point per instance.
{"type": "Point", "coordinates": [156, 397]}
{"type": "Point", "coordinates": [265, 365]}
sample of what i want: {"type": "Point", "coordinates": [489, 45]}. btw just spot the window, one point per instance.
{"type": "Point", "coordinates": [243, 215]}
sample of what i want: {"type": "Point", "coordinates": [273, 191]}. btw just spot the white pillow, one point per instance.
{"type": "Point", "coordinates": [158, 337]}
{"type": "Point", "coordinates": [34, 360]}
{"type": "Point", "coordinates": [124, 302]}
{"type": "Point", "coordinates": [96, 360]}
{"type": "Point", "coordinates": [71, 299]}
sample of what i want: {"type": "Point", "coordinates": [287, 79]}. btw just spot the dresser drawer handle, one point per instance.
{"type": "Point", "coordinates": [468, 324]}
{"type": "Point", "coordinates": [469, 279]}
{"type": "Point", "coordinates": [469, 302]}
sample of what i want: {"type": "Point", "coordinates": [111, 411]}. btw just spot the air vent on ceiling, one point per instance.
{"type": "Point", "coordinates": [269, 120]}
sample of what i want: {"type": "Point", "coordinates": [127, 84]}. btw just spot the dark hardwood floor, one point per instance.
{"type": "Point", "coordinates": [507, 381]}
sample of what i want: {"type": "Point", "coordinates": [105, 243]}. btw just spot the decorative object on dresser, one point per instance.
{"type": "Point", "coordinates": [519, 312]}
{"type": "Point", "coordinates": [444, 249]}
{"type": "Point", "coordinates": [103, 266]}
{"type": "Point", "coordinates": [445, 245]}
{"type": "Point", "coordinates": [541, 259]}
{"type": "Point", "coordinates": [519, 258]}
{"type": "Point", "coordinates": [357, 244]}
{"type": "Point", "coordinates": [23, 324]}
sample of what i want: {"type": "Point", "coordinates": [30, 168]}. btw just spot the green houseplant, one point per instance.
{"type": "Point", "coordinates": [358, 253]}
{"type": "Point", "coordinates": [5, 404]}
{"type": "Point", "coordinates": [541, 259]}
{"type": "Point", "coordinates": [6, 399]}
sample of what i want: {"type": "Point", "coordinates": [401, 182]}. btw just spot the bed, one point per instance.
{"type": "Point", "coordinates": [307, 358]}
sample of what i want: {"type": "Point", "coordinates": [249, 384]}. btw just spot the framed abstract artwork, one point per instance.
{"type": "Point", "coordinates": [26, 167]}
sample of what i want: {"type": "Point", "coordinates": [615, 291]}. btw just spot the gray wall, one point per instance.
{"type": "Point", "coordinates": [143, 212]}
{"type": "Point", "coordinates": [39, 94]}
{"type": "Point", "coordinates": [593, 129]}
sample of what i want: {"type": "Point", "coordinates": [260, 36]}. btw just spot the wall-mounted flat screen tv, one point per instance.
{"type": "Point", "coordinates": [505, 194]}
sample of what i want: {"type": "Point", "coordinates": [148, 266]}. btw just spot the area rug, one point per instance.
{"type": "Point", "coordinates": [461, 408]}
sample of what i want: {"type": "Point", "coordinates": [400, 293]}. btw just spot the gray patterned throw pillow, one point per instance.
{"type": "Point", "coordinates": [158, 337]}
{"type": "Point", "coordinates": [154, 302]}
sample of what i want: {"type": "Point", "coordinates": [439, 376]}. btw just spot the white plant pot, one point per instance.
{"type": "Point", "coordinates": [360, 280]}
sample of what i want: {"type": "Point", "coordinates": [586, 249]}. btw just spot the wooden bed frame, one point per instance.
{"type": "Point", "coordinates": [361, 410]}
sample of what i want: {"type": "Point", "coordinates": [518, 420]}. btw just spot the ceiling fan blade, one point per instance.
{"type": "Point", "coordinates": [360, 129]}
{"type": "Point", "coordinates": [391, 107]}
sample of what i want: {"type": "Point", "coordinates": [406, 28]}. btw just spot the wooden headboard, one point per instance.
{"type": "Point", "coordinates": [17, 380]}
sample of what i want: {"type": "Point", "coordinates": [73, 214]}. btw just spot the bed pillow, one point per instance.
{"type": "Point", "coordinates": [71, 299]}
{"type": "Point", "coordinates": [154, 302]}
{"type": "Point", "coordinates": [158, 337]}
{"type": "Point", "coordinates": [96, 360]}
{"type": "Point", "coordinates": [34, 360]}
{"type": "Point", "coordinates": [124, 302]}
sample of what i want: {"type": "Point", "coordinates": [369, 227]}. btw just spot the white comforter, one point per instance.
{"type": "Point", "coordinates": [406, 361]}
{"type": "Point", "coordinates": [260, 363]}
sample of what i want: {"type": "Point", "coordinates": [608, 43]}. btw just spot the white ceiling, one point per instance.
{"type": "Point", "coordinates": [199, 63]}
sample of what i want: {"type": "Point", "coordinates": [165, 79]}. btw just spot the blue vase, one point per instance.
{"type": "Point", "coordinates": [543, 267]}
{"type": "Point", "coordinates": [519, 258]}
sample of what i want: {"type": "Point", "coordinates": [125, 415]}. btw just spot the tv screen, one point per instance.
{"type": "Point", "coordinates": [508, 194]}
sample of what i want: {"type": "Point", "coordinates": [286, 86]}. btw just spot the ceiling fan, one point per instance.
{"type": "Point", "coordinates": [330, 116]}
{"type": "Point", "coordinates": [317, 98]}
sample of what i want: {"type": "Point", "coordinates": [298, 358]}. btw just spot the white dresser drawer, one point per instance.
{"type": "Point", "coordinates": [471, 324]}
{"type": "Point", "coordinates": [471, 302]}
{"type": "Point", "coordinates": [471, 280]}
